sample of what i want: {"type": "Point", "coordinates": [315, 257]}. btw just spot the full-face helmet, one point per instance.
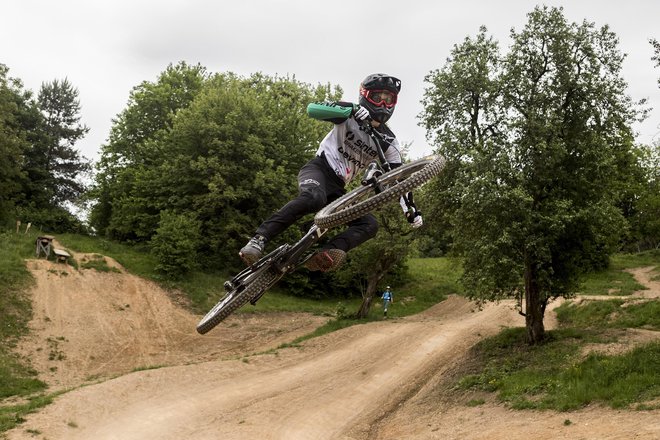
{"type": "Point", "coordinates": [378, 93]}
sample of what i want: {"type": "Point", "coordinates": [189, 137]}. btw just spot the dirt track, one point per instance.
{"type": "Point", "coordinates": [374, 381]}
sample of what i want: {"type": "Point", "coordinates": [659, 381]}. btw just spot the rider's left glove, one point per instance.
{"type": "Point", "coordinates": [360, 113]}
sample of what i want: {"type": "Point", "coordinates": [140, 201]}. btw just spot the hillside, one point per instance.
{"type": "Point", "coordinates": [91, 325]}
{"type": "Point", "coordinates": [382, 380]}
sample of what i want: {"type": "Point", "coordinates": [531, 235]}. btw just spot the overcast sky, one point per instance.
{"type": "Point", "coordinates": [105, 48]}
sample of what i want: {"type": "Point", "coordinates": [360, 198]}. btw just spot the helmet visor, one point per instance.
{"type": "Point", "coordinates": [379, 98]}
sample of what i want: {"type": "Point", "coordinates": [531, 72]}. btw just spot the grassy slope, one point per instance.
{"type": "Point", "coordinates": [557, 375]}
{"type": "Point", "coordinates": [518, 373]}
{"type": "Point", "coordinates": [16, 376]}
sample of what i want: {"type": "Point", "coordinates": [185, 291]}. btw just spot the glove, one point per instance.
{"type": "Point", "coordinates": [360, 113]}
{"type": "Point", "coordinates": [414, 218]}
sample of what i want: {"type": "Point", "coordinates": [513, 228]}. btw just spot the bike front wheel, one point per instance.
{"type": "Point", "coordinates": [251, 288]}
{"type": "Point", "coordinates": [364, 199]}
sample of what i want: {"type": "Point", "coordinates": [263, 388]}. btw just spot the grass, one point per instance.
{"type": "Point", "coordinates": [97, 262]}
{"type": "Point", "coordinates": [136, 259]}
{"type": "Point", "coordinates": [557, 375]}
{"type": "Point", "coordinates": [431, 280]}
{"type": "Point", "coordinates": [13, 415]}
{"type": "Point", "coordinates": [610, 314]}
{"type": "Point", "coordinates": [17, 378]}
{"type": "Point", "coordinates": [614, 280]}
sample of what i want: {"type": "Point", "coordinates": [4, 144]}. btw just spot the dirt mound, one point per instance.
{"type": "Point", "coordinates": [89, 324]}
{"type": "Point", "coordinates": [372, 381]}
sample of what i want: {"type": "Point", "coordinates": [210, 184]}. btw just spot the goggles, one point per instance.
{"type": "Point", "coordinates": [379, 98]}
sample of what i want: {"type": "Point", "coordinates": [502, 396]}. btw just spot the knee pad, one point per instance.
{"type": "Point", "coordinates": [314, 195]}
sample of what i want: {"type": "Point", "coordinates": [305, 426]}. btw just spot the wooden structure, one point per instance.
{"type": "Point", "coordinates": [44, 244]}
{"type": "Point", "coordinates": [61, 255]}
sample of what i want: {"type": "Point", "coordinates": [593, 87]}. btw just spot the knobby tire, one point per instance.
{"type": "Point", "coordinates": [364, 200]}
{"type": "Point", "coordinates": [235, 299]}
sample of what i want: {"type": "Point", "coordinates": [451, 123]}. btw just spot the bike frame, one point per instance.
{"type": "Point", "coordinates": [287, 258]}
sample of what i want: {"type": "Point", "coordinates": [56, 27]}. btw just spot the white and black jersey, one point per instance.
{"type": "Point", "coordinates": [348, 149]}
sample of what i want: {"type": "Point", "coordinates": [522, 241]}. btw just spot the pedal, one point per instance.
{"type": "Point", "coordinates": [229, 286]}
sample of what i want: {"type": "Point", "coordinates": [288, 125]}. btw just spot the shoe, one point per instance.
{"type": "Point", "coordinates": [326, 260]}
{"type": "Point", "coordinates": [253, 250]}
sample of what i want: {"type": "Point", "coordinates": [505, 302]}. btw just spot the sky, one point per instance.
{"type": "Point", "coordinates": [106, 48]}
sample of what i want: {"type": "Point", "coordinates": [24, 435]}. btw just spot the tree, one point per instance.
{"type": "Point", "coordinates": [656, 48]}
{"type": "Point", "coordinates": [53, 165]}
{"type": "Point", "coordinates": [135, 145]}
{"type": "Point", "coordinates": [375, 259]}
{"type": "Point", "coordinates": [226, 154]}
{"type": "Point", "coordinates": [642, 204]}
{"type": "Point", "coordinates": [12, 142]}
{"type": "Point", "coordinates": [643, 207]}
{"type": "Point", "coordinates": [539, 141]}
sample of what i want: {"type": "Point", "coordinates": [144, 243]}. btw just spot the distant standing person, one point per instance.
{"type": "Point", "coordinates": [388, 298]}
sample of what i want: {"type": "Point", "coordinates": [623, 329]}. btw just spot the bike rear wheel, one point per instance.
{"type": "Point", "coordinates": [251, 288]}
{"type": "Point", "coordinates": [363, 200]}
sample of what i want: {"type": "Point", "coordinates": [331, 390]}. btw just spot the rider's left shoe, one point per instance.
{"type": "Point", "coordinates": [326, 260]}
{"type": "Point", "coordinates": [253, 250]}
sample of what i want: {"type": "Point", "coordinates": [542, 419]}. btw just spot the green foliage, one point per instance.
{"type": "Point", "coordinates": [49, 218]}
{"type": "Point", "coordinates": [656, 50]}
{"type": "Point", "coordinates": [39, 167]}
{"type": "Point", "coordinates": [12, 142]}
{"type": "Point", "coordinates": [221, 148]}
{"type": "Point", "coordinates": [540, 155]}
{"type": "Point", "coordinates": [52, 163]}
{"type": "Point", "coordinates": [175, 243]}
{"type": "Point", "coordinates": [622, 261]}
{"type": "Point", "coordinates": [557, 375]}
{"type": "Point", "coordinates": [14, 276]}
{"type": "Point", "coordinates": [382, 256]}
{"type": "Point", "coordinates": [428, 282]}
{"type": "Point", "coordinates": [609, 282]}
{"type": "Point", "coordinates": [642, 205]}
{"type": "Point", "coordinates": [136, 258]}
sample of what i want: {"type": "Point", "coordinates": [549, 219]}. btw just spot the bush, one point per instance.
{"type": "Point", "coordinates": [176, 243]}
{"type": "Point", "coordinates": [50, 219]}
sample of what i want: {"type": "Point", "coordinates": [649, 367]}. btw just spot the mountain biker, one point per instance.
{"type": "Point", "coordinates": [342, 155]}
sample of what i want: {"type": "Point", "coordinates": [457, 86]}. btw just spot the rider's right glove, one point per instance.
{"type": "Point", "coordinates": [360, 113]}
{"type": "Point", "coordinates": [414, 218]}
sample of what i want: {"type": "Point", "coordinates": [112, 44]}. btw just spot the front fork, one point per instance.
{"type": "Point", "coordinates": [371, 175]}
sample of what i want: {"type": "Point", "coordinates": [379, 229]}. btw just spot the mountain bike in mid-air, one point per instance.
{"type": "Point", "coordinates": [380, 185]}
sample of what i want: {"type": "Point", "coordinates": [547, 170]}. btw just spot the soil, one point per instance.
{"type": "Point", "coordinates": [134, 367]}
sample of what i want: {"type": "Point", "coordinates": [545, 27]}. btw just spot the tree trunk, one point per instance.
{"type": "Point", "coordinates": [367, 297]}
{"type": "Point", "coordinates": [534, 307]}
{"type": "Point", "coordinates": [363, 312]}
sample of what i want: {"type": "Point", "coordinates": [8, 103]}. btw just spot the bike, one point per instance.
{"type": "Point", "coordinates": [379, 186]}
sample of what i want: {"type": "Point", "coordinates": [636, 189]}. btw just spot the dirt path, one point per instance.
{"type": "Point", "coordinates": [373, 381]}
